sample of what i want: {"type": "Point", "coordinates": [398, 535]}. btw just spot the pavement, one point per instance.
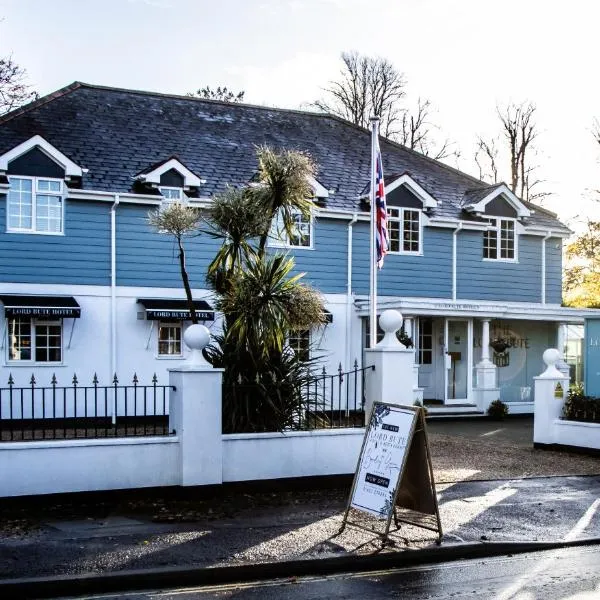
{"type": "Point", "coordinates": [158, 531]}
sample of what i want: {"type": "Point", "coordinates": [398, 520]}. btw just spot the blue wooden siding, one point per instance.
{"type": "Point", "coordinates": [326, 265]}
{"type": "Point", "coordinates": [479, 279]}
{"type": "Point", "coordinates": [427, 276]}
{"type": "Point", "coordinates": [80, 257]}
{"type": "Point", "coordinates": [147, 258]}
{"type": "Point", "coordinates": [554, 271]}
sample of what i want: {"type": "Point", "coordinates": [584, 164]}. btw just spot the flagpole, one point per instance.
{"type": "Point", "coordinates": [373, 253]}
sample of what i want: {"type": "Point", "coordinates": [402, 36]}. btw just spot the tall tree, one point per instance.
{"type": "Point", "coordinates": [581, 281]}
{"type": "Point", "coordinates": [517, 142]}
{"type": "Point", "coordinates": [14, 90]}
{"type": "Point", "coordinates": [370, 86]}
{"type": "Point", "coordinates": [223, 94]}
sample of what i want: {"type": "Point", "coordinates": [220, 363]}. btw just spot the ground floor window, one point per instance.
{"type": "Point", "coordinates": [34, 340]}
{"type": "Point", "coordinates": [299, 342]}
{"type": "Point", "coordinates": [425, 349]}
{"type": "Point", "coordinates": [169, 339]}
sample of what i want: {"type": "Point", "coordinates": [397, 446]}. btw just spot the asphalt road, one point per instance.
{"type": "Point", "coordinates": [568, 574]}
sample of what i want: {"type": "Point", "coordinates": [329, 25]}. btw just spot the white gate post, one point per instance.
{"type": "Point", "coordinates": [195, 413]}
{"type": "Point", "coordinates": [392, 380]}
{"type": "Point", "coordinates": [550, 392]}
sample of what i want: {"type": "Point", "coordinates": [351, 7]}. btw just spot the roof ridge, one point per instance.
{"type": "Point", "coordinates": [109, 88]}
{"type": "Point", "coordinates": [40, 101]}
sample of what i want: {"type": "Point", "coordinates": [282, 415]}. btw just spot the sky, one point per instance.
{"type": "Point", "coordinates": [466, 56]}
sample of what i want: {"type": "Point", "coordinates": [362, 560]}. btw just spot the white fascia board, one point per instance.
{"type": "Point", "coordinates": [100, 196]}
{"type": "Point", "coordinates": [503, 190]}
{"type": "Point", "coordinates": [480, 309]}
{"type": "Point", "coordinates": [425, 197]}
{"type": "Point", "coordinates": [71, 169]}
{"type": "Point", "coordinates": [319, 190]}
{"type": "Point", "coordinates": [539, 231]}
{"type": "Point", "coordinates": [328, 213]}
{"type": "Point", "coordinates": [189, 178]}
{"type": "Point", "coordinates": [453, 224]}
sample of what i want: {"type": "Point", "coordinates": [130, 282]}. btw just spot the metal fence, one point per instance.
{"type": "Point", "coordinates": [335, 400]}
{"type": "Point", "coordinates": [55, 412]}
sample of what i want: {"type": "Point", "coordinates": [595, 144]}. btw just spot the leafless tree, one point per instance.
{"type": "Point", "coordinates": [419, 133]}
{"type": "Point", "coordinates": [373, 86]}
{"type": "Point", "coordinates": [486, 158]}
{"type": "Point", "coordinates": [223, 94]}
{"type": "Point", "coordinates": [367, 86]}
{"type": "Point", "coordinates": [14, 91]}
{"type": "Point", "coordinates": [517, 142]}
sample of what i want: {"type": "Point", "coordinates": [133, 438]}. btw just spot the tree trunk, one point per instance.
{"type": "Point", "coordinates": [186, 282]}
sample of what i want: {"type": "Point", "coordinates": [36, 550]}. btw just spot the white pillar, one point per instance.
{"type": "Point", "coordinates": [485, 343]}
{"type": "Point", "coordinates": [550, 391]}
{"type": "Point", "coordinates": [411, 331]}
{"type": "Point", "coordinates": [561, 346]}
{"type": "Point", "coordinates": [408, 326]}
{"type": "Point", "coordinates": [486, 390]}
{"type": "Point", "coordinates": [195, 413]}
{"type": "Point", "coordinates": [392, 380]}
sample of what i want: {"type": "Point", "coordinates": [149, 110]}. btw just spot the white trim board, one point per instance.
{"type": "Point", "coordinates": [37, 141]}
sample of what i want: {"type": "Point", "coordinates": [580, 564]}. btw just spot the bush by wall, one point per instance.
{"type": "Point", "coordinates": [579, 407]}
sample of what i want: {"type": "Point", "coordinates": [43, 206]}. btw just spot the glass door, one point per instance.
{"type": "Point", "coordinates": [458, 337]}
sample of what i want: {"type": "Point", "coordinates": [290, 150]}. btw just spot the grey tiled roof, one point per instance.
{"type": "Point", "coordinates": [117, 134]}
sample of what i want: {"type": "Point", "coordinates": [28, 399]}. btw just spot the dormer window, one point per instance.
{"type": "Point", "coordinates": [171, 194]}
{"type": "Point", "coordinates": [35, 205]}
{"type": "Point", "coordinates": [404, 230]}
{"type": "Point", "coordinates": [499, 240]}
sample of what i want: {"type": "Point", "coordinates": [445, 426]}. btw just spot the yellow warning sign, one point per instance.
{"type": "Point", "coordinates": [558, 391]}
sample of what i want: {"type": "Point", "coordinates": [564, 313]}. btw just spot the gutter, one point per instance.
{"type": "Point", "coordinates": [454, 246]}
{"type": "Point", "coordinates": [113, 291]}
{"type": "Point", "coordinates": [547, 236]}
{"type": "Point", "coordinates": [348, 335]}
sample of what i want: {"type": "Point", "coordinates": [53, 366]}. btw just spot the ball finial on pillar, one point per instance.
{"type": "Point", "coordinates": [196, 338]}
{"type": "Point", "coordinates": [390, 321]}
{"type": "Point", "coordinates": [550, 358]}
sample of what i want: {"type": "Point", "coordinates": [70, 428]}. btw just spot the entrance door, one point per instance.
{"type": "Point", "coordinates": [430, 358]}
{"type": "Point", "coordinates": [458, 337]}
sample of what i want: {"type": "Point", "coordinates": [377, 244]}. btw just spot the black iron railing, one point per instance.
{"type": "Point", "coordinates": [55, 412]}
{"type": "Point", "coordinates": [335, 400]}
{"type": "Point", "coordinates": [323, 401]}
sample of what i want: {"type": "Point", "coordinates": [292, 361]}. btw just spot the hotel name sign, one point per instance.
{"type": "Point", "coordinates": [42, 311]}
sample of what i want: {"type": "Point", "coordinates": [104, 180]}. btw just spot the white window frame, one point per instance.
{"type": "Point", "coordinates": [296, 336]}
{"type": "Point", "coordinates": [175, 324]}
{"type": "Point", "coordinates": [495, 224]}
{"type": "Point", "coordinates": [169, 188]}
{"type": "Point", "coordinates": [34, 193]}
{"type": "Point", "coordinates": [400, 218]}
{"type": "Point", "coordinates": [280, 239]}
{"type": "Point", "coordinates": [34, 322]}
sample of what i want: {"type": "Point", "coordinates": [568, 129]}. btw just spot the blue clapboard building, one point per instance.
{"type": "Point", "coordinates": [86, 286]}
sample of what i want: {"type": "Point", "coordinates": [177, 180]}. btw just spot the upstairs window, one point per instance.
{"type": "Point", "coordinates": [171, 194]}
{"type": "Point", "coordinates": [35, 205]}
{"type": "Point", "coordinates": [301, 232]}
{"type": "Point", "coordinates": [499, 241]}
{"type": "Point", "coordinates": [404, 230]}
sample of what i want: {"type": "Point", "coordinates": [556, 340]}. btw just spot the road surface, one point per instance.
{"type": "Point", "coordinates": [567, 574]}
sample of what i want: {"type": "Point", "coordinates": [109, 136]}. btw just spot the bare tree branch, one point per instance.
{"type": "Point", "coordinates": [14, 91]}
{"type": "Point", "coordinates": [486, 158]}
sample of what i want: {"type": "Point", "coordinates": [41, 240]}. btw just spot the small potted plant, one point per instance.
{"type": "Point", "coordinates": [404, 338]}
{"type": "Point", "coordinates": [499, 344]}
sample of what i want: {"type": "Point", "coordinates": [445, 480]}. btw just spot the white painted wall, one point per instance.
{"type": "Point", "coordinates": [574, 433]}
{"type": "Point", "coordinates": [87, 465]}
{"type": "Point", "coordinates": [248, 457]}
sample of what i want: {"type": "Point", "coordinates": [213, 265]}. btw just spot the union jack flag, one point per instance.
{"type": "Point", "coordinates": [381, 233]}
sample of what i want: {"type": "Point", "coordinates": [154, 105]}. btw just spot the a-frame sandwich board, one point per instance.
{"type": "Point", "coordinates": [394, 474]}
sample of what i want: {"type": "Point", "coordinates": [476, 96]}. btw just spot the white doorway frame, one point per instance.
{"type": "Point", "coordinates": [467, 400]}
